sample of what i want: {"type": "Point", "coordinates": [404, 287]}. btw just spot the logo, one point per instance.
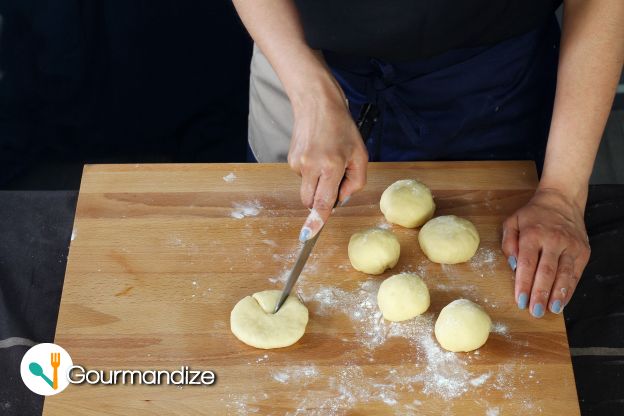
{"type": "Point", "coordinates": [44, 369]}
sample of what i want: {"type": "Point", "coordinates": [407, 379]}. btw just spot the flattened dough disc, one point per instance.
{"type": "Point", "coordinates": [252, 320]}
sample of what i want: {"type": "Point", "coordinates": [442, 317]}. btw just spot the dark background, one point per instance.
{"type": "Point", "coordinates": [118, 81]}
{"type": "Point", "coordinates": [114, 81]}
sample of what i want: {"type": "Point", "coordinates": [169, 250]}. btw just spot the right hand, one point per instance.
{"type": "Point", "coordinates": [325, 147]}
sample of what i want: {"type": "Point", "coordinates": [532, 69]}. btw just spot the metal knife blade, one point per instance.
{"type": "Point", "coordinates": [306, 249]}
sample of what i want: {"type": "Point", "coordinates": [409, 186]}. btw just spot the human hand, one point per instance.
{"type": "Point", "coordinates": [325, 147]}
{"type": "Point", "coordinates": [547, 236]}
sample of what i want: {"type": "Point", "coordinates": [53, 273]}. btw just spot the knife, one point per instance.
{"type": "Point", "coordinates": [365, 123]}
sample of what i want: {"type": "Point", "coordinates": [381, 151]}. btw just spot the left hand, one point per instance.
{"type": "Point", "coordinates": [547, 236]}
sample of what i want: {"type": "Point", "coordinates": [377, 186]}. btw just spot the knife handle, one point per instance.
{"type": "Point", "coordinates": [365, 122]}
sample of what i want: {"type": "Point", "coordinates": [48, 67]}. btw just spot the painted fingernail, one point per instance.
{"type": "Point", "coordinates": [513, 263]}
{"type": "Point", "coordinates": [304, 235]}
{"type": "Point", "coordinates": [522, 300]}
{"type": "Point", "coordinates": [538, 310]}
{"type": "Point", "coordinates": [345, 201]}
{"type": "Point", "coordinates": [556, 306]}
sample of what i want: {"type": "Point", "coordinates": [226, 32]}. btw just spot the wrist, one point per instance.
{"type": "Point", "coordinates": [307, 80]}
{"type": "Point", "coordinates": [313, 85]}
{"type": "Point", "coordinates": [317, 92]}
{"type": "Point", "coordinates": [574, 191]}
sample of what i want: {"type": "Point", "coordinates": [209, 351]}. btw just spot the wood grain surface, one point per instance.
{"type": "Point", "coordinates": [161, 253]}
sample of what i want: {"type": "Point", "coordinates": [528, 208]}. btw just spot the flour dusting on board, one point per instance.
{"type": "Point", "coordinates": [492, 411]}
{"type": "Point", "coordinates": [302, 375]}
{"type": "Point", "coordinates": [269, 243]}
{"type": "Point", "coordinates": [478, 381]}
{"type": "Point", "coordinates": [484, 262]}
{"type": "Point", "coordinates": [230, 177]}
{"type": "Point", "coordinates": [241, 404]}
{"type": "Point", "coordinates": [445, 375]}
{"type": "Point", "coordinates": [384, 225]}
{"type": "Point", "coordinates": [427, 368]}
{"type": "Point", "coordinates": [500, 328]}
{"type": "Point", "coordinates": [246, 209]}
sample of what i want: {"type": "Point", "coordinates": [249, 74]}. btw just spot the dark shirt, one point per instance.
{"type": "Point", "coordinates": [412, 29]}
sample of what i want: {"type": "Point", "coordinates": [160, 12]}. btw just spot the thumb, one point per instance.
{"type": "Point", "coordinates": [354, 179]}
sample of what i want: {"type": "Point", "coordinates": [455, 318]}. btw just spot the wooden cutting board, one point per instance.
{"type": "Point", "coordinates": [161, 253]}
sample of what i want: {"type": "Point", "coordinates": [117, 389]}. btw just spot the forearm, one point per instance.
{"type": "Point", "coordinates": [275, 27]}
{"type": "Point", "coordinates": [590, 63]}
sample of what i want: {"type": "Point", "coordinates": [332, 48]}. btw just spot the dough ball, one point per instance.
{"type": "Point", "coordinates": [449, 239]}
{"type": "Point", "coordinates": [374, 250]}
{"type": "Point", "coordinates": [462, 326]}
{"type": "Point", "coordinates": [402, 296]}
{"type": "Point", "coordinates": [407, 203]}
{"type": "Point", "coordinates": [252, 320]}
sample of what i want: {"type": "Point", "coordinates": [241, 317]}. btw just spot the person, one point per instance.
{"type": "Point", "coordinates": [452, 81]}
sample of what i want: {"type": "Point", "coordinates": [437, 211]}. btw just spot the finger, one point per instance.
{"type": "Point", "coordinates": [327, 192]}
{"type": "Point", "coordinates": [528, 255]}
{"type": "Point", "coordinates": [309, 181]}
{"type": "Point", "coordinates": [572, 284]}
{"type": "Point", "coordinates": [580, 262]}
{"type": "Point", "coordinates": [543, 283]}
{"type": "Point", "coordinates": [324, 199]}
{"type": "Point", "coordinates": [510, 241]}
{"type": "Point", "coordinates": [561, 288]}
{"type": "Point", "coordinates": [311, 226]}
{"type": "Point", "coordinates": [354, 177]}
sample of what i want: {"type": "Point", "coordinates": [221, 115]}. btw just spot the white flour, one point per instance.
{"type": "Point", "coordinates": [492, 411]}
{"type": "Point", "coordinates": [427, 368]}
{"type": "Point", "coordinates": [314, 220]}
{"type": "Point", "coordinates": [478, 381]}
{"type": "Point", "coordinates": [230, 177]}
{"type": "Point", "coordinates": [265, 357]}
{"type": "Point", "coordinates": [350, 386]}
{"type": "Point", "coordinates": [464, 289]}
{"type": "Point", "coordinates": [384, 225]}
{"type": "Point", "coordinates": [446, 373]}
{"type": "Point", "coordinates": [302, 375]}
{"type": "Point", "coordinates": [241, 404]}
{"type": "Point", "coordinates": [500, 328]}
{"type": "Point", "coordinates": [484, 262]}
{"type": "Point", "coordinates": [314, 216]}
{"type": "Point", "coordinates": [247, 209]}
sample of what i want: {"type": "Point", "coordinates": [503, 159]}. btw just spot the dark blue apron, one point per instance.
{"type": "Point", "coordinates": [473, 104]}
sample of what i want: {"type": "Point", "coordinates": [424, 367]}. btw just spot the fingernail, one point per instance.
{"type": "Point", "coordinates": [345, 201]}
{"type": "Point", "coordinates": [513, 263]}
{"type": "Point", "coordinates": [522, 300]}
{"type": "Point", "coordinates": [556, 306]}
{"type": "Point", "coordinates": [304, 235]}
{"type": "Point", "coordinates": [538, 310]}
